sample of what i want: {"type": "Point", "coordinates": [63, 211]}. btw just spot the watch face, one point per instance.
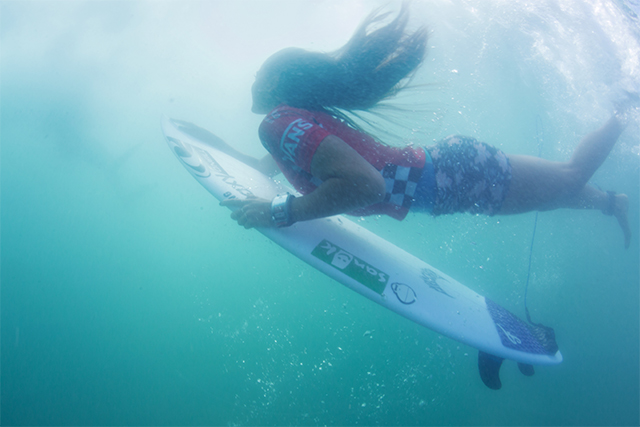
{"type": "Point", "coordinates": [280, 210]}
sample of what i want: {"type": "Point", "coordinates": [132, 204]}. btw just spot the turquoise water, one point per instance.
{"type": "Point", "coordinates": [129, 297]}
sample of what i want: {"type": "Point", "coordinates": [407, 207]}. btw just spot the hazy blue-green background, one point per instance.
{"type": "Point", "coordinates": [129, 297]}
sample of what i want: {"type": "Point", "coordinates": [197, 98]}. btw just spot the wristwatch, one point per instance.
{"type": "Point", "coordinates": [281, 210]}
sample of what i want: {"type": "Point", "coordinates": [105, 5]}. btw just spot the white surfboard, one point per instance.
{"type": "Point", "coordinates": [372, 266]}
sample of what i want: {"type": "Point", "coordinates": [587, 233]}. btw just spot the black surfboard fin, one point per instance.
{"type": "Point", "coordinates": [490, 370]}
{"type": "Point", "coordinates": [526, 369]}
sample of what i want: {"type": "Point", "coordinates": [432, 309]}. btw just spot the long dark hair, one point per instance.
{"type": "Point", "coordinates": [372, 66]}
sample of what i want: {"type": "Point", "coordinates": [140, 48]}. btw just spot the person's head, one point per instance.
{"type": "Point", "coordinates": [287, 74]}
{"type": "Point", "coordinates": [368, 69]}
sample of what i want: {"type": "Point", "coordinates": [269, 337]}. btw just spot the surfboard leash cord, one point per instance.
{"type": "Point", "coordinates": [546, 334]}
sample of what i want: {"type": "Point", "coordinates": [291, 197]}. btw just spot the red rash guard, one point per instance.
{"type": "Point", "coordinates": [292, 136]}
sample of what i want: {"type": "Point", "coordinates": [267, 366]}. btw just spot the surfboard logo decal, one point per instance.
{"type": "Point", "coordinates": [184, 152]}
{"type": "Point", "coordinates": [202, 165]}
{"type": "Point", "coordinates": [354, 267]}
{"type": "Point", "coordinates": [404, 293]}
{"type": "Point", "coordinates": [430, 277]}
{"type": "Point", "coordinates": [514, 333]}
{"type": "Point", "coordinates": [514, 339]}
{"type": "Point", "coordinates": [219, 172]}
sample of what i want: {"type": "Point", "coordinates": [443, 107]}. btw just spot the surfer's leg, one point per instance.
{"type": "Point", "coordinates": [593, 150]}
{"type": "Point", "coordinates": [539, 184]}
{"type": "Point", "coordinates": [608, 202]}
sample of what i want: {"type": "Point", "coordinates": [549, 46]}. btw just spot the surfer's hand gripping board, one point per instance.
{"type": "Point", "coordinates": [251, 212]}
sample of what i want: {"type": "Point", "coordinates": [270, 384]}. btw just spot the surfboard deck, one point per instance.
{"type": "Point", "coordinates": [368, 264]}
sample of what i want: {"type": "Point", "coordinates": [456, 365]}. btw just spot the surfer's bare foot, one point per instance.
{"type": "Point", "coordinates": [620, 208]}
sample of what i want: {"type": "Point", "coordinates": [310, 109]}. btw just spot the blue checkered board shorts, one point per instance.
{"type": "Point", "coordinates": [470, 176]}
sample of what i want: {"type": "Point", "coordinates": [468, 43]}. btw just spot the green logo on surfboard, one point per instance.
{"type": "Point", "coordinates": [351, 265]}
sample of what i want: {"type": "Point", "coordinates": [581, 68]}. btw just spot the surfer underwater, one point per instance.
{"type": "Point", "coordinates": [338, 168]}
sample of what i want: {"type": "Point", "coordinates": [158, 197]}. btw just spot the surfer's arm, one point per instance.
{"type": "Point", "coordinates": [268, 166]}
{"type": "Point", "coordinates": [349, 182]}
